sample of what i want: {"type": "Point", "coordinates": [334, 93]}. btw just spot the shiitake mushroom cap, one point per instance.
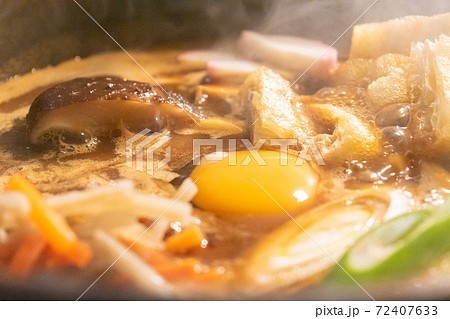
{"type": "Point", "coordinates": [98, 104]}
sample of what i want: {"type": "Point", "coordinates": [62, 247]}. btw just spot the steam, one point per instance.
{"type": "Point", "coordinates": [326, 20]}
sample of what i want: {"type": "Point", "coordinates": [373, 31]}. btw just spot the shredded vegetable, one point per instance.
{"type": "Point", "coordinates": [179, 269]}
{"type": "Point", "coordinates": [54, 228]}
{"type": "Point", "coordinates": [132, 266]}
{"type": "Point", "coordinates": [26, 255]}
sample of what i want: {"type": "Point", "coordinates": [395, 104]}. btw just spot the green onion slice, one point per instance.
{"type": "Point", "coordinates": [299, 252]}
{"type": "Point", "coordinates": [397, 248]}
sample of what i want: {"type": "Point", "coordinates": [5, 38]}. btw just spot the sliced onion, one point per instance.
{"type": "Point", "coordinates": [14, 207]}
{"type": "Point", "coordinates": [132, 266]}
{"type": "Point", "coordinates": [121, 198]}
{"type": "Point", "coordinates": [149, 237]}
{"type": "Point", "coordinates": [186, 191]}
{"type": "Point", "coordinates": [294, 257]}
{"type": "Point", "coordinates": [14, 212]}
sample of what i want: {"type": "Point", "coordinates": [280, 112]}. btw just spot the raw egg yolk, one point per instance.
{"type": "Point", "coordinates": [242, 185]}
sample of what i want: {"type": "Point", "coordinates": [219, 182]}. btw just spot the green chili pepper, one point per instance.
{"type": "Point", "coordinates": [397, 248]}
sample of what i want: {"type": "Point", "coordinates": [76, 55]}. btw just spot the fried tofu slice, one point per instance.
{"type": "Point", "coordinates": [273, 108]}
{"type": "Point", "coordinates": [277, 112]}
{"type": "Point", "coordinates": [430, 86]}
{"type": "Point", "coordinates": [372, 40]}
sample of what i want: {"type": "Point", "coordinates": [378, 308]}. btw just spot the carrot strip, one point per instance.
{"type": "Point", "coordinates": [178, 269]}
{"type": "Point", "coordinates": [54, 227]}
{"type": "Point", "coordinates": [53, 260]}
{"type": "Point", "coordinates": [212, 275]}
{"type": "Point", "coordinates": [5, 251]}
{"type": "Point", "coordinates": [26, 255]}
{"type": "Point", "coordinates": [151, 256]}
{"type": "Point", "coordinates": [187, 239]}
{"type": "Point", "coordinates": [188, 269]}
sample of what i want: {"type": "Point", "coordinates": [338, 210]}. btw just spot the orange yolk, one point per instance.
{"type": "Point", "coordinates": [242, 184]}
